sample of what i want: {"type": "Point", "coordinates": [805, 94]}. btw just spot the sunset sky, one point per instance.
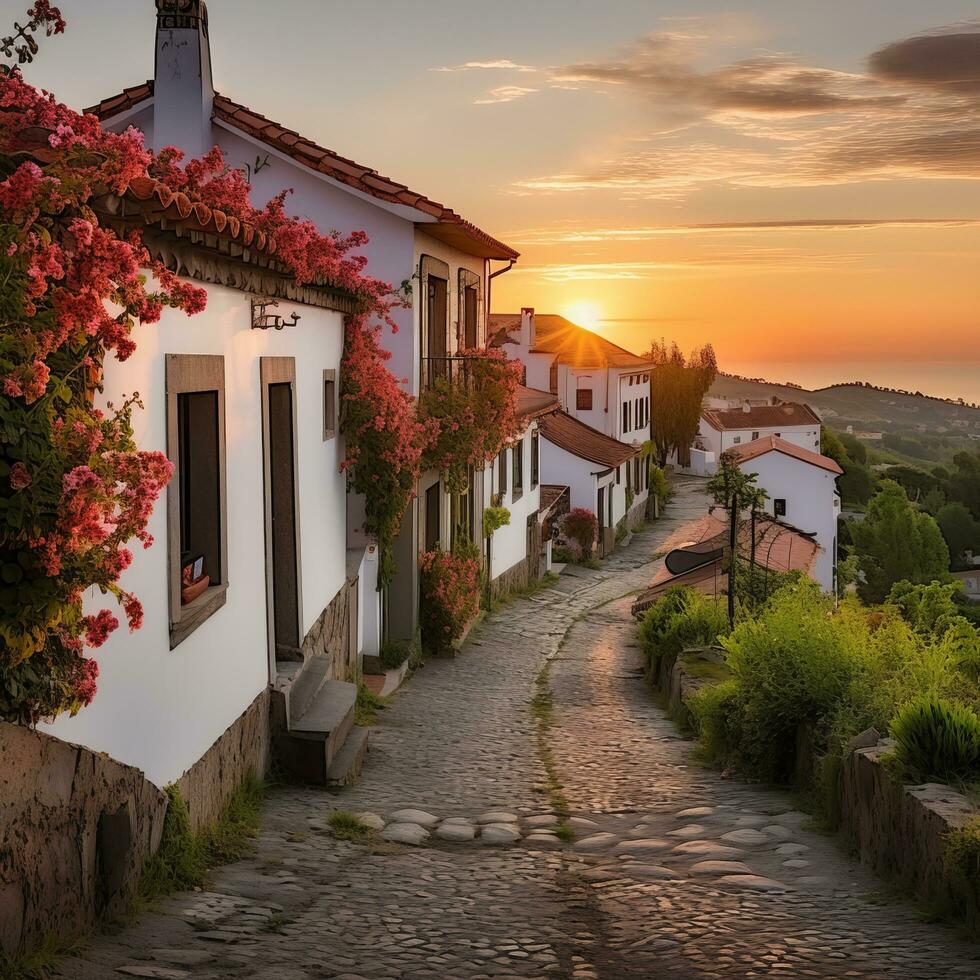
{"type": "Point", "coordinates": [795, 182]}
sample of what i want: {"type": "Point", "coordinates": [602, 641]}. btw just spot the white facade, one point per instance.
{"type": "Point", "coordinates": [618, 399]}
{"type": "Point", "coordinates": [809, 495]}
{"type": "Point", "coordinates": [161, 709]}
{"type": "Point", "coordinates": [508, 545]}
{"type": "Point", "coordinates": [806, 436]}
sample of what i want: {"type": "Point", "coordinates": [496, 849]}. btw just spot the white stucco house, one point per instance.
{"type": "Point", "coordinates": [250, 636]}
{"type": "Point", "coordinates": [604, 475]}
{"type": "Point", "coordinates": [597, 382]}
{"type": "Point", "coordinates": [445, 261]}
{"type": "Point", "coordinates": [802, 489]}
{"type": "Point", "coordinates": [725, 427]}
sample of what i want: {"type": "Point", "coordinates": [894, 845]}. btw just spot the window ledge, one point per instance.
{"type": "Point", "coordinates": [195, 613]}
{"type": "Point", "coordinates": [516, 495]}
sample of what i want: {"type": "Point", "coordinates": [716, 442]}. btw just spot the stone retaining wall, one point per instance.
{"type": "Point", "coordinates": [75, 829]}
{"type": "Point", "coordinates": [243, 750]}
{"type": "Point", "coordinates": [898, 830]}
{"type": "Point", "coordinates": [676, 681]}
{"type": "Point", "coordinates": [330, 636]}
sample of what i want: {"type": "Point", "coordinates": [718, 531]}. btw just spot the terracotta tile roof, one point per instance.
{"type": "Point", "coordinates": [779, 547]}
{"type": "Point", "coordinates": [448, 227]}
{"type": "Point", "coordinates": [583, 441]}
{"type": "Point", "coordinates": [551, 493]}
{"type": "Point", "coordinates": [573, 344]}
{"type": "Point", "coordinates": [773, 444]}
{"type": "Point", "coordinates": [532, 403]}
{"type": "Point", "coordinates": [761, 416]}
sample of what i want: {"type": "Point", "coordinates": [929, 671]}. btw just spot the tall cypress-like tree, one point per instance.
{"type": "Point", "coordinates": [677, 388]}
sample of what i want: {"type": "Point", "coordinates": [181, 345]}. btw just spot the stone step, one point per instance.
{"type": "Point", "coordinates": [305, 686]}
{"type": "Point", "coordinates": [314, 738]}
{"type": "Point", "coordinates": [346, 765]}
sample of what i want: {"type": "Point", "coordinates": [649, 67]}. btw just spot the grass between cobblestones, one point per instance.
{"type": "Point", "coordinates": [348, 826]}
{"type": "Point", "coordinates": [542, 710]}
{"type": "Point", "coordinates": [40, 961]}
{"type": "Point", "coordinates": [185, 858]}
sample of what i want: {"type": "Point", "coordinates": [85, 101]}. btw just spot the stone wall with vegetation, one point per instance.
{"type": "Point", "coordinates": [901, 832]}
{"type": "Point", "coordinates": [242, 751]}
{"type": "Point", "coordinates": [330, 636]}
{"type": "Point", "coordinates": [679, 677]}
{"type": "Point", "coordinates": [76, 828]}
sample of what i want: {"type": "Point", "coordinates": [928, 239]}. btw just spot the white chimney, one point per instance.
{"type": "Point", "coordinates": [183, 93]}
{"type": "Point", "coordinates": [527, 327]}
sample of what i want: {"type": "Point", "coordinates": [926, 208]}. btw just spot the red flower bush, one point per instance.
{"type": "Point", "coordinates": [74, 487]}
{"type": "Point", "coordinates": [450, 597]}
{"type": "Point", "coordinates": [471, 416]}
{"type": "Point", "coordinates": [580, 526]}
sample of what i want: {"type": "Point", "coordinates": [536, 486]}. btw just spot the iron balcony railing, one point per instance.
{"type": "Point", "coordinates": [455, 370]}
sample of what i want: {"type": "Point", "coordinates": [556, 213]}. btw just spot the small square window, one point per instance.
{"type": "Point", "coordinates": [583, 399]}
{"type": "Point", "coordinates": [329, 404]}
{"type": "Point", "coordinates": [736, 440]}
{"type": "Point", "coordinates": [779, 507]}
{"type": "Point", "coordinates": [755, 435]}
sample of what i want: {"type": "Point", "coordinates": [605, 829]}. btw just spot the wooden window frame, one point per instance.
{"type": "Point", "coordinates": [535, 459]}
{"type": "Point", "coordinates": [431, 266]}
{"type": "Point", "coordinates": [580, 398]}
{"type": "Point", "coordinates": [329, 403]}
{"type": "Point", "coordinates": [186, 374]}
{"type": "Point", "coordinates": [502, 474]}
{"type": "Point", "coordinates": [468, 280]}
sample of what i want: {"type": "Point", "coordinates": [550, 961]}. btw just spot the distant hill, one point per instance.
{"type": "Point", "coordinates": [915, 426]}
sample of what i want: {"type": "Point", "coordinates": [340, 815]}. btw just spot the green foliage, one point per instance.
{"type": "Point", "coordinates": [42, 961]}
{"type": "Point", "coordinates": [394, 653]}
{"type": "Point", "coordinates": [937, 740]}
{"type": "Point", "coordinates": [800, 662]}
{"type": "Point", "coordinates": [368, 706]}
{"type": "Point", "coordinates": [960, 530]}
{"type": "Point", "coordinates": [851, 455]}
{"type": "Point", "coordinates": [495, 518]}
{"type": "Point", "coordinates": [677, 388]}
{"type": "Point", "coordinates": [348, 826]}
{"type": "Point", "coordinates": [962, 851]}
{"type": "Point", "coordinates": [680, 619]}
{"type": "Point", "coordinates": [658, 484]}
{"type": "Point", "coordinates": [185, 858]}
{"type": "Point", "coordinates": [896, 541]}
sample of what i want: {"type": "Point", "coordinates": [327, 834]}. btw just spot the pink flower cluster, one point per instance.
{"type": "Point", "coordinates": [450, 596]}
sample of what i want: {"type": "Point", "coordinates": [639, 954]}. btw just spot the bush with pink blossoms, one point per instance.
{"type": "Point", "coordinates": [581, 527]}
{"type": "Point", "coordinates": [450, 597]}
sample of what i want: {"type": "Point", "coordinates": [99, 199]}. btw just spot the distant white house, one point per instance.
{"type": "Point", "coordinates": [597, 382]}
{"type": "Point", "coordinates": [802, 490]}
{"type": "Point", "coordinates": [604, 475]}
{"type": "Point", "coordinates": [725, 427]}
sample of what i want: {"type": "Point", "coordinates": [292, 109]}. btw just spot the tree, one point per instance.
{"type": "Point", "coordinates": [677, 389]}
{"type": "Point", "coordinates": [960, 531]}
{"type": "Point", "coordinates": [850, 454]}
{"type": "Point", "coordinates": [735, 490]}
{"type": "Point", "coordinates": [964, 481]}
{"type": "Point", "coordinates": [895, 542]}
{"type": "Point", "coordinates": [916, 483]}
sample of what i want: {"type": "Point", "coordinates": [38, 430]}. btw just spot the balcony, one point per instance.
{"type": "Point", "coordinates": [454, 370]}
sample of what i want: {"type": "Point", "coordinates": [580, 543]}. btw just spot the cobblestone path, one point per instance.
{"type": "Point", "coordinates": [674, 872]}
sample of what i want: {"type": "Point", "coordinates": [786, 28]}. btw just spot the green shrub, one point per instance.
{"type": "Point", "coordinates": [937, 740]}
{"type": "Point", "coordinates": [681, 618]}
{"type": "Point", "coordinates": [714, 715]}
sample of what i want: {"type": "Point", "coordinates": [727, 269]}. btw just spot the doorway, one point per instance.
{"type": "Point", "coordinates": [282, 510]}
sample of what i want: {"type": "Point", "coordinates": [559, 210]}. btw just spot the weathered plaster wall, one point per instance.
{"type": "Point", "coordinates": [76, 827]}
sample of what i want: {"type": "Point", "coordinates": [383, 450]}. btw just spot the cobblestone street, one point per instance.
{"type": "Point", "coordinates": [674, 872]}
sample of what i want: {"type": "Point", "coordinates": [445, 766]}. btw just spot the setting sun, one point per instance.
{"type": "Point", "coordinates": [584, 313]}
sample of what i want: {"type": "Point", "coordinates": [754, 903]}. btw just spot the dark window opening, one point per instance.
{"type": "Point", "coordinates": [583, 399]}
{"type": "Point", "coordinates": [432, 514]}
{"type": "Point", "coordinates": [436, 319]}
{"type": "Point", "coordinates": [553, 379]}
{"type": "Point", "coordinates": [779, 507]}
{"type": "Point", "coordinates": [535, 460]}
{"type": "Point", "coordinates": [200, 482]}
{"type": "Point", "coordinates": [329, 404]}
{"type": "Point", "coordinates": [502, 473]}
{"type": "Point", "coordinates": [470, 296]}
{"type": "Point", "coordinates": [518, 454]}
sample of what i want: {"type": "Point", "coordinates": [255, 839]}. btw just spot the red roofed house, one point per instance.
{"type": "Point", "coordinates": [599, 471]}
{"type": "Point", "coordinates": [802, 492]}
{"type": "Point", "coordinates": [727, 424]}
{"type": "Point", "coordinates": [596, 381]}
{"type": "Point", "coordinates": [446, 260]}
